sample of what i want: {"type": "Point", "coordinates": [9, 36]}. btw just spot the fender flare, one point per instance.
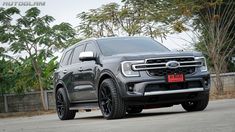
{"type": "Point", "coordinates": [60, 82]}
{"type": "Point", "coordinates": [110, 74]}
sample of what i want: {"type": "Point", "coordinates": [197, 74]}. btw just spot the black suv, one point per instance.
{"type": "Point", "coordinates": [123, 75]}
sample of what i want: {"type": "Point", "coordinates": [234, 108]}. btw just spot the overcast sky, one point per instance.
{"type": "Point", "coordinates": [62, 10]}
{"type": "Point", "coordinates": [67, 10]}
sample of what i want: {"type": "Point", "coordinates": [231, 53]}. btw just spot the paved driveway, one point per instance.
{"type": "Point", "coordinates": [218, 117]}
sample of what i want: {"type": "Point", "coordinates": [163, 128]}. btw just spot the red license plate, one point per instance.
{"type": "Point", "coordinates": [175, 78]}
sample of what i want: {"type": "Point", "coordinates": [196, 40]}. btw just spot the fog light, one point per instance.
{"type": "Point", "coordinates": [206, 82]}
{"type": "Point", "coordinates": [130, 87]}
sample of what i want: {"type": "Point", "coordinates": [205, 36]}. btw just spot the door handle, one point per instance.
{"type": "Point", "coordinates": [64, 71]}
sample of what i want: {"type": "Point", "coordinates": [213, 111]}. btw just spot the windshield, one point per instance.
{"type": "Point", "coordinates": [113, 46]}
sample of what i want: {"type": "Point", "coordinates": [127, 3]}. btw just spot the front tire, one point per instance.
{"type": "Point", "coordinates": [62, 106]}
{"type": "Point", "coordinates": [111, 104]}
{"type": "Point", "coordinates": [197, 105]}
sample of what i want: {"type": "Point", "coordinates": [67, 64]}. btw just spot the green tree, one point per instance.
{"type": "Point", "coordinates": [130, 19]}
{"type": "Point", "coordinates": [99, 22]}
{"type": "Point", "coordinates": [217, 35]}
{"type": "Point", "coordinates": [32, 33]}
{"type": "Point", "coordinates": [211, 21]}
{"type": "Point", "coordinates": [7, 76]}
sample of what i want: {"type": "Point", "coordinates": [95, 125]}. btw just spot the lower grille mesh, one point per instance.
{"type": "Point", "coordinates": [172, 86]}
{"type": "Point", "coordinates": [164, 72]}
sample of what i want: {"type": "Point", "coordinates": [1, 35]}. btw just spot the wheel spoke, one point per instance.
{"type": "Point", "coordinates": [103, 103]}
{"type": "Point", "coordinates": [58, 98]}
{"type": "Point", "coordinates": [109, 107]}
{"type": "Point", "coordinates": [61, 97]}
{"type": "Point", "coordinates": [62, 110]}
{"type": "Point", "coordinates": [109, 95]}
{"type": "Point", "coordinates": [59, 101]}
{"type": "Point", "coordinates": [60, 104]}
{"type": "Point", "coordinates": [106, 100]}
{"type": "Point", "coordinates": [102, 93]}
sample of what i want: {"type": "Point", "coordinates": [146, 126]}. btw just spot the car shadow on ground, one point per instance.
{"type": "Point", "coordinates": [153, 114]}
{"type": "Point", "coordinates": [128, 116]}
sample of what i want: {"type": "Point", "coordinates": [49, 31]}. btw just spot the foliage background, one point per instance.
{"type": "Point", "coordinates": [153, 18]}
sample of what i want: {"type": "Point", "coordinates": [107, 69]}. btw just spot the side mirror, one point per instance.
{"type": "Point", "coordinates": [86, 56]}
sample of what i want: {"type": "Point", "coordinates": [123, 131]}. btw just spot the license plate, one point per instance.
{"type": "Point", "coordinates": [175, 78]}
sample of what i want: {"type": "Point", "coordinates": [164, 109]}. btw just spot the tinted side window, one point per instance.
{"type": "Point", "coordinates": [66, 58]}
{"type": "Point", "coordinates": [91, 47]}
{"type": "Point", "coordinates": [76, 54]}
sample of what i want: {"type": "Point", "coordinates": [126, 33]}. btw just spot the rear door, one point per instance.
{"type": "Point", "coordinates": [66, 71]}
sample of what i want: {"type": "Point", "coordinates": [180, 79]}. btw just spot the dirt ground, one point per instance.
{"type": "Point", "coordinates": [25, 114]}
{"type": "Point", "coordinates": [225, 95]}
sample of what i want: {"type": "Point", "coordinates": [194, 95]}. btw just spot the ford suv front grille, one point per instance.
{"type": "Point", "coordinates": [159, 66]}
{"type": "Point", "coordinates": [163, 72]}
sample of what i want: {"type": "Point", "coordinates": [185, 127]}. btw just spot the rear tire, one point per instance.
{"type": "Point", "coordinates": [62, 105]}
{"type": "Point", "coordinates": [111, 104]}
{"type": "Point", "coordinates": [197, 105]}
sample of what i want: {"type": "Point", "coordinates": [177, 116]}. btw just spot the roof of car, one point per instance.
{"type": "Point", "coordinates": [104, 38]}
{"type": "Point", "coordinates": [116, 38]}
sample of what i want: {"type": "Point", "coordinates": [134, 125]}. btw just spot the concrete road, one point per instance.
{"type": "Point", "coordinates": [218, 117]}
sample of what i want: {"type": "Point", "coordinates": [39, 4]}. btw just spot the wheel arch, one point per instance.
{"type": "Point", "coordinates": [104, 75]}
{"type": "Point", "coordinates": [60, 84]}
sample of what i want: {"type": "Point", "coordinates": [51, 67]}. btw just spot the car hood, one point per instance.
{"type": "Point", "coordinates": [142, 56]}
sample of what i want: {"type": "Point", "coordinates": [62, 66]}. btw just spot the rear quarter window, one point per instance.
{"type": "Point", "coordinates": [65, 59]}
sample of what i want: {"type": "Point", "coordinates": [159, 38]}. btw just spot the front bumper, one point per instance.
{"type": "Point", "coordinates": [166, 100]}
{"type": "Point", "coordinates": [189, 90]}
{"type": "Point", "coordinates": [137, 86]}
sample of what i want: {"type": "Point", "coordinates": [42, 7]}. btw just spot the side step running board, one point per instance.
{"type": "Point", "coordinates": [87, 106]}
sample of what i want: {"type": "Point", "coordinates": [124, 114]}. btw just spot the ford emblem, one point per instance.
{"type": "Point", "coordinates": [172, 64]}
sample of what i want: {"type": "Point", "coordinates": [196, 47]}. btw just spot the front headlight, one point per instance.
{"type": "Point", "coordinates": [126, 67]}
{"type": "Point", "coordinates": [203, 68]}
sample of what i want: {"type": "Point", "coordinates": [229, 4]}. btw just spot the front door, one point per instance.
{"type": "Point", "coordinates": [82, 78]}
{"type": "Point", "coordinates": [77, 92]}
{"type": "Point", "coordinates": [88, 73]}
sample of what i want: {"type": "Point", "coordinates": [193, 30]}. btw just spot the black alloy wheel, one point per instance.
{"type": "Point", "coordinates": [106, 101]}
{"type": "Point", "coordinates": [62, 105]}
{"type": "Point", "coordinates": [111, 104]}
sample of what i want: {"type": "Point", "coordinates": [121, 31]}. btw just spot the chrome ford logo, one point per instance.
{"type": "Point", "coordinates": [172, 64]}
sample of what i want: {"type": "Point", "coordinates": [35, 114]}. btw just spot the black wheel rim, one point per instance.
{"type": "Point", "coordinates": [106, 101]}
{"type": "Point", "coordinates": [60, 104]}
